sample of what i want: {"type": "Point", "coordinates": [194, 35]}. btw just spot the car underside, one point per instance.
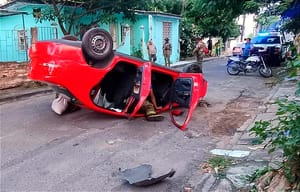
{"type": "Point", "coordinates": [90, 74]}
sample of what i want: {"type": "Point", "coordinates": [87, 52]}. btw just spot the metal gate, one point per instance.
{"type": "Point", "coordinates": [14, 44]}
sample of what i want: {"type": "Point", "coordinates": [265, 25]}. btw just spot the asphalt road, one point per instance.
{"type": "Point", "coordinates": [85, 150]}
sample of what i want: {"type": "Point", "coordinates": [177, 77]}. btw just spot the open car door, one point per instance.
{"type": "Point", "coordinates": [185, 95]}
{"type": "Point", "coordinates": [141, 88]}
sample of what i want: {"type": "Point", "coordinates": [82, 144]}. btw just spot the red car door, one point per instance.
{"type": "Point", "coordinates": [141, 87]}
{"type": "Point", "coordinates": [185, 95]}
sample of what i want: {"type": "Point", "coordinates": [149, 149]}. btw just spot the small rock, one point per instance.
{"type": "Point", "coordinates": [110, 142]}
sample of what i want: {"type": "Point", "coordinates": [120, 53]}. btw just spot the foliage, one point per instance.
{"type": "Point", "coordinates": [284, 132]}
{"type": "Point", "coordinates": [218, 18]}
{"type": "Point", "coordinates": [215, 18]}
{"type": "Point", "coordinates": [272, 9]}
{"type": "Point", "coordinates": [291, 25]}
{"type": "Point", "coordinates": [188, 33]}
{"type": "Point", "coordinates": [266, 21]}
{"type": "Point", "coordinates": [258, 173]}
{"type": "Point", "coordinates": [69, 14]}
{"type": "Point", "coordinates": [137, 53]}
{"type": "Point", "coordinates": [167, 6]}
{"type": "Point", "coordinates": [219, 164]}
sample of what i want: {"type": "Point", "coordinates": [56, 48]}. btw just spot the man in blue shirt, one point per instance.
{"type": "Point", "coordinates": [247, 49]}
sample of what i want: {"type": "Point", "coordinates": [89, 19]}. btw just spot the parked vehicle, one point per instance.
{"type": "Point", "coordinates": [238, 49]}
{"type": "Point", "coordinates": [272, 45]}
{"type": "Point", "coordinates": [90, 74]}
{"type": "Point", "coordinates": [254, 63]}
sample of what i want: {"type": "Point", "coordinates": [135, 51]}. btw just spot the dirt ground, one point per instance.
{"type": "Point", "coordinates": [232, 116]}
{"type": "Point", "coordinates": [223, 121]}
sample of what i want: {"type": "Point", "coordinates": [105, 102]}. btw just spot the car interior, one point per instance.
{"type": "Point", "coordinates": [116, 88]}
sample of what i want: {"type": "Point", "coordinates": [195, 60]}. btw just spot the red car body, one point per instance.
{"type": "Point", "coordinates": [63, 65]}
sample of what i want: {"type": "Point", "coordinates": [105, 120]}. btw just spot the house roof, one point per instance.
{"type": "Point", "coordinates": [13, 7]}
{"type": "Point", "coordinates": [157, 13]}
{"type": "Point", "coordinates": [5, 12]}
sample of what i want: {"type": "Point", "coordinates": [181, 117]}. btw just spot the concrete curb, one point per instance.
{"type": "Point", "coordinates": [24, 94]}
{"type": "Point", "coordinates": [183, 63]}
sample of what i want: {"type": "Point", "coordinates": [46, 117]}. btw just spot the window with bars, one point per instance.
{"type": "Point", "coordinates": [22, 41]}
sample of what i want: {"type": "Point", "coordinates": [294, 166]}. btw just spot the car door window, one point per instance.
{"type": "Point", "coordinates": [185, 94]}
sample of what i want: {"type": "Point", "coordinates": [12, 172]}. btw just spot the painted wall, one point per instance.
{"type": "Point", "coordinates": [145, 27]}
{"type": "Point", "coordinates": [9, 27]}
{"type": "Point", "coordinates": [156, 31]}
{"type": "Point", "coordinates": [139, 33]}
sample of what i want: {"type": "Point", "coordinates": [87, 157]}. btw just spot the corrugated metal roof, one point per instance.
{"type": "Point", "coordinates": [6, 12]}
{"type": "Point", "coordinates": [13, 7]}
{"type": "Point", "coordinates": [157, 13]}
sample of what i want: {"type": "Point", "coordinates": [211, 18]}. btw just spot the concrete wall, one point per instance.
{"type": "Point", "coordinates": [156, 31]}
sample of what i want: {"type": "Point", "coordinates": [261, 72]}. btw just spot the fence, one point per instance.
{"type": "Point", "coordinates": [14, 44]}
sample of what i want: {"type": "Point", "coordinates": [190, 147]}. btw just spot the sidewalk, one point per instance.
{"type": "Point", "coordinates": [247, 156]}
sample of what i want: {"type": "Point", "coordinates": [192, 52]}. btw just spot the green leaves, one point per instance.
{"type": "Point", "coordinates": [283, 133]}
{"type": "Point", "coordinates": [81, 15]}
{"type": "Point", "coordinates": [215, 18]}
{"type": "Point", "coordinates": [297, 93]}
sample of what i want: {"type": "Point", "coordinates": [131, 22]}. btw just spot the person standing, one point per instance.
{"type": "Point", "coordinates": [247, 49]}
{"type": "Point", "coordinates": [199, 52]}
{"type": "Point", "coordinates": [151, 51]}
{"type": "Point", "coordinates": [209, 46]}
{"type": "Point", "coordinates": [218, 48]}
{"type": "Point", "coordinates": [167, 51]}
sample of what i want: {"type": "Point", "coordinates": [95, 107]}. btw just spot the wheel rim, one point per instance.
{"type": "Point", "coordinates": [232, 71]}
{"type": "Point", "coordinates": [99, 44]}
{"type": "Point", "coordinates": [266, 71]}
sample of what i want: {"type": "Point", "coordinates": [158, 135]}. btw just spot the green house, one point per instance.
{"type": "Point", "coordinates": [17, 21]}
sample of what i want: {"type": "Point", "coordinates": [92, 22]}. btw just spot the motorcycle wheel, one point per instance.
{"type": "Point", "coordinates": [265, 72]}
{"type": "Point", "coordinates": [231, 70]}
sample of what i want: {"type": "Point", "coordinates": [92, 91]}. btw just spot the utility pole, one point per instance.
{"type": "Point", "coordinates": [182, 7]}
{"type": "Point", "coordinates": [243, 28]}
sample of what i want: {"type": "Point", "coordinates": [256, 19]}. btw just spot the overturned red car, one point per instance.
{"type": "Point", "coordinates": [90, 74]}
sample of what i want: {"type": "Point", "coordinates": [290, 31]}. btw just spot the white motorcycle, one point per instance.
{"type": "Point", "coordinates": [254, 63]}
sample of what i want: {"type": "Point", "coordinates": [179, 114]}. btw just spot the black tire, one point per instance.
{"type": "Point", "coordinates": [192, 68]}
{"type": "Point", "coordinates": [265, 72]}
{"type": "Point", "coordinates": [71, 108]}
{"type": "Point", "coordinates": [97, 44]}
{"type": "Point", "coordinates": [232, 70]}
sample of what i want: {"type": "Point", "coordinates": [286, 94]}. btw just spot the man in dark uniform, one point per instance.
{"type": "Point", "coordinates": [167, 51]}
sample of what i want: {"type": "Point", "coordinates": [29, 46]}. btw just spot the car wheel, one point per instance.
{"type": "Point", "coordinates": [97, 44]}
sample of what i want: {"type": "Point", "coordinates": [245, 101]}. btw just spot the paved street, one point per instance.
{"type": "Point", "coordinates": [84, 151]}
